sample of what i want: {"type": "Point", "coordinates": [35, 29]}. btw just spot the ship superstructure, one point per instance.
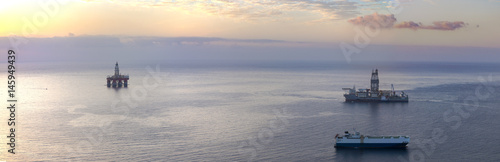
{"type": "Point", "coordinates": [374, 94]}
{"type": "Point", "coordinates": [357, 140]}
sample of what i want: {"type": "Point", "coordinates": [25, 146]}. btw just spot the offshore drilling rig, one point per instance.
{"type": "Point", "coordinates": [117, 80]}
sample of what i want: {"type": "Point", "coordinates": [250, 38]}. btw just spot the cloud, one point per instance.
{"type": "Point", "coordinates": [446, 25]}
{"type": "Point", "coordinates": [271, 10]}
{"type": "Point", "coordinates": [437, 25]}
{"type": "Point", "coordinates": [408, 24]}
{"type": "Point", "coordinates": [375, 20]}
{"type": "Point", "coordinates": [329, 10]}
{"type": "Point", "coordinates": [204, 41]}
{"type": "Point", "coordinates": [387, 22]}
{"type": "Point", "coordinates": [276, 10]}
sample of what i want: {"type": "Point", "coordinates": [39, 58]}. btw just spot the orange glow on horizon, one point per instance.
{"type": "Point", "coordinates": [275, 20]}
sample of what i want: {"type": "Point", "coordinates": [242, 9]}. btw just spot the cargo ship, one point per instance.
{"type": "Point", "coordinates": [374, 94]}
{"type": "Point", "coordinates": [357, 140]}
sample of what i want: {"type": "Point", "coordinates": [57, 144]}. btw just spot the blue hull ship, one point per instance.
{"type": "Point", "coordinates": [357, 140]}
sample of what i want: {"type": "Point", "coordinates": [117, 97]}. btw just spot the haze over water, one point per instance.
{"type": "Point", "coordinates": [273, 111]}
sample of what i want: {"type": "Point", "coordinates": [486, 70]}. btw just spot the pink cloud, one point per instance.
{"type": "Point", "coordinates": [388, 21]}
{"type": "Point", "coordinates": [374, 20]}
{"type": "Point", "coordinates": [437, 25]}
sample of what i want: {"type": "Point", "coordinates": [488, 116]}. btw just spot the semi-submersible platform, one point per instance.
{"type": "Point", "coordinates": [374, 94]}
{"type": "Point", "coordinates": [117, 80]}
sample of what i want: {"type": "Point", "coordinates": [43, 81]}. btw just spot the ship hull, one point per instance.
{"type": "Point", "coordinates": [353, 98]}
{"type": "Point", "coordinates": [375, 100]}
{"type": "Point", "coordinates": [370, 145]}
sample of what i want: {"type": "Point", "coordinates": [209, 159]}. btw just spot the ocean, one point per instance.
{"type": "Point", "coordinates": [261, 111]}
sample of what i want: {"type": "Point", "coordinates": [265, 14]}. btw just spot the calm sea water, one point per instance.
{"type": "Point", "coordinates": [251, 112]}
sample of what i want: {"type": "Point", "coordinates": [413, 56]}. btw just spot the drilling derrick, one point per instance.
{"type": "Point", "coordinates": [117, 69]}
{"type": "Point", "coordinates": [374, 82]}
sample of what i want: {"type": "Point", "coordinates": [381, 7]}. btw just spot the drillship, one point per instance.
{"type": "Point", "coordinates": [374, 94]}
{"type": "Point", "coordinates": [357, 140]}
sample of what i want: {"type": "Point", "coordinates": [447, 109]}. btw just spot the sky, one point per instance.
{"type": "Point", "coordinates": [348, 30]}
